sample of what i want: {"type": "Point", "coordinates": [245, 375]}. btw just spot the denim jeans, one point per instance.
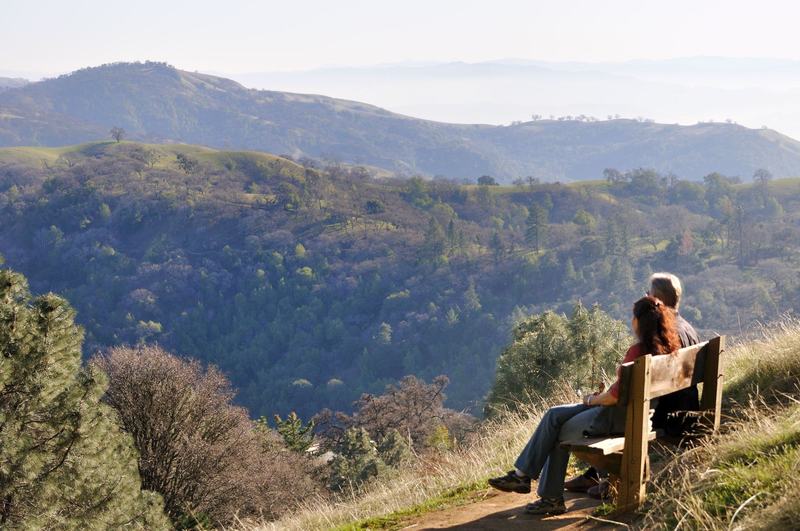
{"type": "Point", "coordinates": [543, 458]}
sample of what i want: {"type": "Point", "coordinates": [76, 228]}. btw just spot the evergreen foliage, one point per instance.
{"type": "Point", "coordinates": [394, 449]}
{"type": "Point", "coordinates": [551, 349]}
{"type": "Point", "coordinates": [273, 271]}
{"type": "Point", "coordinates": [64, 462]}
{"type": "Point", "coordinates": [298, 437]}
{"type": "Point", "coordinates": [356, 461]}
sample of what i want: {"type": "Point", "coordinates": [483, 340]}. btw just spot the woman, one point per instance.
{"type": "Point", "coordinates": [654, 326]}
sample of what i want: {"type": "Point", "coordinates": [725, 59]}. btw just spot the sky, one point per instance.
{"type": "Point", "coordinates": [314, 46]}
{"type": "Point", "coordinates": [47, 37]}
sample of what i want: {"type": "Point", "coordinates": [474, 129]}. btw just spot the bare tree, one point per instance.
{"type": "Point", "coordinates": [414, 408]}
{"type": "Point", "coordinates": [117, 133]}
{"type": "Point", "coordinates": [198, 450]}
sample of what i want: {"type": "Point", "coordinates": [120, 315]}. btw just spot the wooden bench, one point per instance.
{"type": "Point", "coordinates": [625, 457]}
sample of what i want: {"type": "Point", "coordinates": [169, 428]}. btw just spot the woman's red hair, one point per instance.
{"type": "Point", "coordinates": [657, 330]}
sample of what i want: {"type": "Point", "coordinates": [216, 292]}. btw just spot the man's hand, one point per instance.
{"type": "Point", "coordinates": [587, 400]}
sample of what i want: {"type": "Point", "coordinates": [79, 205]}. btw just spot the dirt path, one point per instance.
{"type": "Point", "coordinates": [501, 511]}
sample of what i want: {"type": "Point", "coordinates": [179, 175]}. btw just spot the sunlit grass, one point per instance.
{"type": "Point", "coordinates": [447, 479]}
{"type": "Point", "coordinates": [747, 471]}
{"type": "Point", "coordinates": [744, 477]}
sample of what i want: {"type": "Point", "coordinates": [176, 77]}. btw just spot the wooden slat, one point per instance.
{"type": "Point", "coordinates": [600, 445]}
{"type": "Point", "coordinates": [670, 373]}
{"type": "Point", "coordinates": [673, 372]}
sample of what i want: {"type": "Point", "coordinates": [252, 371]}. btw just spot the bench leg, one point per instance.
{"type": "Point", "coordinates": [637, 426]}
{"type": "Point", "coordinates": [633, 484]}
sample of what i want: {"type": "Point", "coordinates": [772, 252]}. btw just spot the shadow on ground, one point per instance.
{"type": "Point", "coordinates": [506, 511]}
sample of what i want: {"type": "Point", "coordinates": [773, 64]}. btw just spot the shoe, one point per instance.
{"type": "Point", "coordinates": [583, 482]}
{"type": "Point", "coordinates": [511, 482]}
{"type": "Point", "coordinates": [546, 506]}
{"type": "Point", "coordinates": [601, 491]}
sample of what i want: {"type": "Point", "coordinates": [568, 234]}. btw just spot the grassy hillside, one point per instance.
{"type": "Point", "coordinates": [745, 475]}
{"type": "Point", "coordinates": [310, 285]}
{"type": "Point", "coordinates": [157, 103]}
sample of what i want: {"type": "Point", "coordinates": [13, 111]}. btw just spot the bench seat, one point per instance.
{"type": "Point", "coordinates": [600, 445]}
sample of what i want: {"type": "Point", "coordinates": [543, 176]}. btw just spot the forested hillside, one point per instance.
{"type": "Point", "coordinates": [158, 103]}
{"type": "Point", "coordinates": [309, 285]}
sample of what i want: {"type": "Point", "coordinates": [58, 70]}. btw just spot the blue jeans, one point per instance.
{"type": "Point", "coordinates": [543, 454]}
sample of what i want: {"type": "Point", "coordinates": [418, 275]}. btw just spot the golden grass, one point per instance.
{"type": "Point", "coordinates": [739, 479]}
{"type": "Point", "coordinates": [744, 477]}
{"type": "Point", "coordinates": [491, 452]}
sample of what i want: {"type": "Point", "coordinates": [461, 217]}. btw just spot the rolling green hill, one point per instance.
{"type": "Point", "coordinates": [157, 103]}
{"type": "Point", "coordinates": [309, 285]}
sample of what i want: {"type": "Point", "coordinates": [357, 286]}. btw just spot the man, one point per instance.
{"type": "Point", "coordinates": [667, 288]}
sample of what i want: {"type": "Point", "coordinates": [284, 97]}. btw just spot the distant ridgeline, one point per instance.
{"type": "Point", "coordinates": [157, 103]}
{"type": "Point", "coordinates": [311, 285]}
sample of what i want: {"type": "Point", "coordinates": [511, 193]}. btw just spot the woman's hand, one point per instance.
{"type": "Point", "coordinates": [600, 399]}
{"type": "Point", "coordinates": [590, 400]}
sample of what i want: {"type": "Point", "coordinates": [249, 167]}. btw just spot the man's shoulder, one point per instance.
{"type": "Point", "coordinates": [686, 329]}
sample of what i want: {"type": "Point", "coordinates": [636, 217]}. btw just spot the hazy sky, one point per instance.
{"type": "Point", "coordinates": [236, 36]}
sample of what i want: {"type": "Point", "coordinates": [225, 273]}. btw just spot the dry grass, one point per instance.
{"type": "Point", "coordinates": [744, 477]}
{"type": "Point", "coordinates": [491, 451]}
{"type": "Point", "coordinates": [740, 479]}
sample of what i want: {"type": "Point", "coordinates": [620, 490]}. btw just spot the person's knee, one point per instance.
{"type": "Point", "coordinates": [552, 416]}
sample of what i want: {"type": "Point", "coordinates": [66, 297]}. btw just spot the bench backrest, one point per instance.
{"type": "Point", "coordinates": [679, 370]}
{"type": "Point", "coordinates": [651, 377]}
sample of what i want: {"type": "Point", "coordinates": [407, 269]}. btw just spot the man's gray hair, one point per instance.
{"type": "Point", "coordinates": [667, 288]}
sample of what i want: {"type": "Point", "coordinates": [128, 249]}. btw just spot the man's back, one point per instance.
{"type": "Point", "coordinates": [683, 400]}
{"type": "Point", "coordinates": [686, 332]}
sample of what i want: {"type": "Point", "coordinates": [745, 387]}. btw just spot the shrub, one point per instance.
{"type": "Point", "coordinates": [64, 463]}
{"type": "Point", "coordinates": [197, 449]}
{"type": "Point", "coordinates": [356, 461]}
{"type": "Point", "coordinates": [550, 348]}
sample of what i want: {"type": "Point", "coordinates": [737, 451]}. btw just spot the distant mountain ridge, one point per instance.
{"type": "Point", "coordinates": [12, 82]}
{"type": "Point", "coordinates": [158, 103]}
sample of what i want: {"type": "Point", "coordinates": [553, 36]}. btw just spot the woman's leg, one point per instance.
{"type": "Point", "coordinates": [551, 482]}
{"type": "Point", "coordinates": [533, 457]}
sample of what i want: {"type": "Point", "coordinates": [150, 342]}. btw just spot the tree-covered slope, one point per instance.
{"type": "Point", "coordinates": [310, 285]}
{"type": "Point", "coordinates": [155, 102]}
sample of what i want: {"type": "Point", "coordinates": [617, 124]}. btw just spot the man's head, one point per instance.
{"type": "Point", "coordinates": [667, 288]}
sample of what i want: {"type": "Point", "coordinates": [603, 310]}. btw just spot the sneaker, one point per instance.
{"type": "Point", "coordinates": [511, 482]}
{"type": "Point", "coordinates": [583, 482]}
{"type": "Point", "coordinates": [546, 506]}
{"type": "Point", "coordinates": [600, 491]}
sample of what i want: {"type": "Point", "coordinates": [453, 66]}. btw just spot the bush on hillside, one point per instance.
{"type": "Point", "coordinates": [64, 463]}
{"type": "Point", "coordinates": [413, 408]}
{"type": "Point", "coordinates": [203, 454]}
{"type": "Point", "coordinates": [550, 349]}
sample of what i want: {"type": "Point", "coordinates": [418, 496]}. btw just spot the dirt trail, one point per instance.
{"type": "Point", "coordinates": [501, 511]}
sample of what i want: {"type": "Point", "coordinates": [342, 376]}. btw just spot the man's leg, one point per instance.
{"type": "Point", "coordinates": [551, 482]}
{"type": "Point", "coordinates": [533, 457]}
{"type": "Point", "coordinates": [583, 481]}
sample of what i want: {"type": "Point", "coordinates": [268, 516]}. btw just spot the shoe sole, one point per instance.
{"type": "Point", "coordinates": [518, 490]}
{"type": "Point", "coordinates": [539, 512]}
{"type": "Point", "coordinates": [546, 513]}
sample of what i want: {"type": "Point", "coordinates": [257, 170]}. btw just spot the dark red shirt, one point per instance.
{"type": "Point", "coordinates": [634, 352]}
